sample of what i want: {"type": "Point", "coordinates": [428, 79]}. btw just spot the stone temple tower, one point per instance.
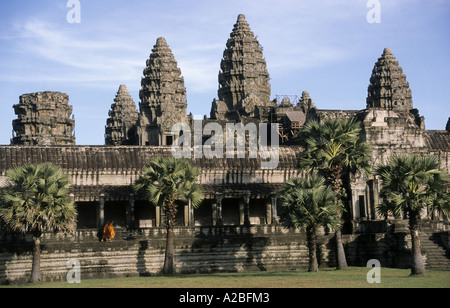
{"type": "Point", "coordinates": [121, 125]}
{"type": "Point", "coordinates": [163, 97]}
{"type": "Point", "coordinates": [390, 117]}
{"type": "Point", "coordinates": [388, 87]}
{"type": "Point", "coordinates": [43, 118]}
{"type": "Point", "coordinates": [243, 78]}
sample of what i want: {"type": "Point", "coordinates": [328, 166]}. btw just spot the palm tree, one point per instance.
{"type": "Point", "coordinates": [164, 182]}
{"type": "Point", "coordinates": [37, 200]}
{"type": "Point", "coordinates": [334, 148]}
{"type": "Point", "coordinates": [309, 203]}
{"type": "Point", "coordinates": [414, 184]}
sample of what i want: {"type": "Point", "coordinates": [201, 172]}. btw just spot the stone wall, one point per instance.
{"type": "Point", "coordinates": [206, 250]}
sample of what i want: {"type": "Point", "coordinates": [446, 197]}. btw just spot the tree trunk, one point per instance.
{"type": "Point", "coordinates": [169, 267]}
{"type": "Point", "coordinates": [171, 212]}
{"type": "Point", "coordinates": [313, 266]}
{"type": "Point", "coordinates": [334, 178]}
{"type": "Point", "coordinates": [417, 266]}
{"type": "Point", "coordinates": [36, 267]}
{"type": "Point", "coordinates": [341, 261]}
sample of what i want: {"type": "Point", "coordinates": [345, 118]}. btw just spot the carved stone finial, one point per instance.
{"type": "Point", "coordinates": [388, 87]}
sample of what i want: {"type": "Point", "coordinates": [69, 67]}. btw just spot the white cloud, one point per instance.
{"type": "Point", "coordinates": [67, 56]}
{"type": "Point", "coordinates": [113, 42]}
{"type": "Point", "coordinates": [106, 52]}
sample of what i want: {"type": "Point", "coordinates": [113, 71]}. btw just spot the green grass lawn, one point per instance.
{"type": "Point", "coordinates": [326, 278]}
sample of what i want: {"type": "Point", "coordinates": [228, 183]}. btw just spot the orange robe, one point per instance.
{"type": "Point", "coordinates": [108, 232]}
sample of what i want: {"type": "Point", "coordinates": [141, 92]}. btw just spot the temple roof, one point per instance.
{"type": "Point", "coordinates": [121, 159]}
{"type": "Point", "coordinates": [438, 140]}
{"type": "Point", "coordinates": [128, 161]}
{"type": "Point", "coordinates": [296, 116]}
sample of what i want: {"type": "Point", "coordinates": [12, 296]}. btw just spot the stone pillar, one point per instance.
{"type": "Point", "coordinates": [218, 211]}
{"type": "Point", "coordinates": [130, 212]}
{"type": "Point", "coordinates": [244, 210]}
{"type": "Point", "coordinates": [367, 201]}
{"type": "Point", "coordinates": [376, 197]}
{"type": "Point", "coordinates": [241, 212]}
{"type": "Point", "coordinates": [355, 204]}
{"type": "Point", "coordinates": [247, 210]}
{"type": "Point", "coordinates": [268, 211]}
{"type": "Point", "coordinates": [186, 214]}
{"type": "Point", "coordinates": [214, 212]}
{"type": "Point", "coordinates": [274, 205]}
{"type": "Point", "coordinates": [191, 215]}
{"type": "Point", "coordinates": [101, 212]}
{"type": "Point", "coordinates": [189, 219]}
{"type": "Point", "coordinates": [158, 216]}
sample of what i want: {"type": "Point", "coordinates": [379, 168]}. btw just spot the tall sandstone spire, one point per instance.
{"type": "Point", "coordinates": [163, 97]}
{"type": "Point", "coordinates": [43, 118]}
{"type": "Point", "coordinates": [243, 78]}
{"type": "Point", "coordinates": [121, 125]}
{"type": "Point", "coordinates": [390, 118]}
{"type": "Point", "coordinates": [388, 87]}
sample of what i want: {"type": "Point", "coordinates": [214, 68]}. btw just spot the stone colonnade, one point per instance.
{"type": "Point", "coordinates": [188, 211]}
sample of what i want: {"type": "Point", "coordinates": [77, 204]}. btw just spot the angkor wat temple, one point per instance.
{"type": "Point", "coordinates": [238, 217]}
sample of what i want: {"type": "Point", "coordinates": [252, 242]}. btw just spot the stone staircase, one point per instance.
{"type": "Point", "coordinates": [434, 240]}
{"type": "Point", "coordinates": [437, 255]}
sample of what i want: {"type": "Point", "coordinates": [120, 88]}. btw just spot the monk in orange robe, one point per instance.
{"type": "Point", "coordinates": [108, 232]}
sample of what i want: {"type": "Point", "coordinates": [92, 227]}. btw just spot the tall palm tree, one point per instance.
{"type": "Point", "coordinates": [334, 148]}
{"type": "Point", "coordinates": [37, 200]}
{"type": "Point", "coordinates": [164, 182]}
{"type": "Point", "coordinates": [412, 184]}
{"type": "Point", "coordinates": [309, 203]}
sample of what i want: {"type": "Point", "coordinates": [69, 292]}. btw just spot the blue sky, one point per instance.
{"type": "Point", "coordinates": [326, 47]}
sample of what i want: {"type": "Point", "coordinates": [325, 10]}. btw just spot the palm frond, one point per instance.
{"type": "Point", "coordinates": [36, 199]}
{"type": "Point", "coordinates": [308, 202]}
{"type": "Point", "coordinates": [412, 183]}
{"type": "Point", "coordinates": [164, 178]}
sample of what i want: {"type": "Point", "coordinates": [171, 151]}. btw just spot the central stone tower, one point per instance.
{"type": "Point", "coordinates": [163, 97]}
{"type": "Point", "coordinates": [243, 78]}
